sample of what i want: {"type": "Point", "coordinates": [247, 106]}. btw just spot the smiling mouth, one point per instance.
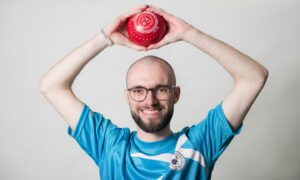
{"type": "Point", "coordinates": [150, 111]}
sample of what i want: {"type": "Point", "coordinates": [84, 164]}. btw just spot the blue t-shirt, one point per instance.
{"type": "Point", "coordinates": [120, 154]}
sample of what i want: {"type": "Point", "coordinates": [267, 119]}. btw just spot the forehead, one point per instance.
{"type": "Point", "coordinates": [148, 74]}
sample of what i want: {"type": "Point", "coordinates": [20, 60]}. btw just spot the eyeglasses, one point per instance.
{"type": "Point", "coordinates": [160, 92]}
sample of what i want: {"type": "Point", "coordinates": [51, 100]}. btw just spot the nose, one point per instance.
{"type": "Point", "coordinates": [151, 98]}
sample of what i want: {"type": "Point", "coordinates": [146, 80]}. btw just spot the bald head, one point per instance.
{"type": "Point", "coordinates": [150, 69]}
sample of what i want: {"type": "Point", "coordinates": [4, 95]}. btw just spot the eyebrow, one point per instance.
{"type": "Point", "coordinates": [159, 85]}
{"type": "Point", "coordinates": [136, 87]}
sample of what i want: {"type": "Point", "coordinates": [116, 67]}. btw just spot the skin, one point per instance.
{"type": "Point", "coordinates": [149, 72]}
{"type": "Point", "coordinates": [248, 75]}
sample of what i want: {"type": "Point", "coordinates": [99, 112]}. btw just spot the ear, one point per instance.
{"type": "Point", "coordinates": [177, 94]}
{"type": "Point", "coordinates": [126, 95]}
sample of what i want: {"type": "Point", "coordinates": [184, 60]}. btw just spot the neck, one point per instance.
{"type": "Point", "coordinates": [152, 137]}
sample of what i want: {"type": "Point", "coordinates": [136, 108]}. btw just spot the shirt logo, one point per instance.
{"type": "Point", "coordinates": [177, 161]}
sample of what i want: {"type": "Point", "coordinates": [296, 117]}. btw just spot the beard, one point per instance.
{"type": "Point", "coordinates": [154, 127]}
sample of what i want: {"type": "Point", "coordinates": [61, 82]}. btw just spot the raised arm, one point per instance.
{"type": "Point", "coordinates": [249, 76]}
{"type": "Point", "coordinates": [56, 84]}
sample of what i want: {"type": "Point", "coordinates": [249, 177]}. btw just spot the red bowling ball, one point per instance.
{"type": "Point", "coordinates": [146, 28]}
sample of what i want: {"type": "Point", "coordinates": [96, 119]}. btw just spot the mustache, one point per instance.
{"type": "Point", "coordinates": [152, 107]}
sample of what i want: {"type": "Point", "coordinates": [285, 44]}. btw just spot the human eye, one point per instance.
{"type": "Point", "coordinates": [162, 89]}
{"type": "Point", "coordinates": [138, 91]}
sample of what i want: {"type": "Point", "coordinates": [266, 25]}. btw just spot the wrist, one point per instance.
{"type": "Point", "coordinates": [107, 39]}
{"type": "Point", "coordinates": [191, 33]}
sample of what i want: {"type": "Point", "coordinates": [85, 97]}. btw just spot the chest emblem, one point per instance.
{"type": "Point", "coordinates": [177, 161]}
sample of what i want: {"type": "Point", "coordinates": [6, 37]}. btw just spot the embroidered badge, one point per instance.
{"type": "Point", "coordinates": [177, 162]}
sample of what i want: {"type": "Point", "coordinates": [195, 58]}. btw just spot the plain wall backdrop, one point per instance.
{"type": "Point", "coordinates": [34, 35]}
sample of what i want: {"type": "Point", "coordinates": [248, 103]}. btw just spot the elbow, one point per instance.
{"type": "Point", "coordinates": [264, 74]}
{"type": "Point", "coordinates": [256, 79]}
{"type": "Point", "coordinates": [48, 86]}
{"type": "Point", "coordinates": [261, 78]}
{"type": "Point", "coordinates": [43, 85]}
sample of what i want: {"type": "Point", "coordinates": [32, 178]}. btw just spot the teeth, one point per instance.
{"type": "Point", "coordinates": [150, 111]}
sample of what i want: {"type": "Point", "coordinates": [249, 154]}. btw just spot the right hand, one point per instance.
{"type": "Point", "coordinates": [117, 29]}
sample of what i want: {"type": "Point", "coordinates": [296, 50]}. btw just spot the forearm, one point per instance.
{"type": "Point", "coordinates": [62, 75]}
{"type": "Point", "coordinates": [249, 76]}
{"type": "Point", "coordinates": [240, 66]}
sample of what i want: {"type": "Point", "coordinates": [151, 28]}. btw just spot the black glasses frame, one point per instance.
{"type": "Point", "coordinates": [153, 90]}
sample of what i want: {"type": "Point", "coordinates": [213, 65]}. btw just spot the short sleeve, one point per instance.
{"type": "Point", "coordinates": [212, 135]}
{"type": "Point", "coordinates": [94, 133]}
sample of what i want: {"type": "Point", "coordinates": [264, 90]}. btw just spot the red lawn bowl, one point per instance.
{"type": "Point", "coordinates": [146, 28]}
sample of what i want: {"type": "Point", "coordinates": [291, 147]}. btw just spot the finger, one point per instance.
{"type": "Point", "coordinates": [161, 43]}
{"type": "Point", "coordinates": [160, 12]}
{"type": "Point", "coordinates": [133, 11]}
{"type": "Point", "coordinates": [155, 9]}
{"type": "Point", "coordinates": [136, 47]}
{"type": "Point", "coordinates": [151, 47]}
{"type": "Point", "coordinates": [131, 45]}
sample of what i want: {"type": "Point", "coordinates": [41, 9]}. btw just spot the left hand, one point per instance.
{"type": "Point", "coordinates": [177, 28]}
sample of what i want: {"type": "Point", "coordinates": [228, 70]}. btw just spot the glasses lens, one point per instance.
{"type": "Point", "coordinates": [162, 93]}
{"type": "Point", "coordinates": [138, 94]}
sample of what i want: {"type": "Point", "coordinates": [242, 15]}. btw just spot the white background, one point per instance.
{"type": "Point", "coordinates": [34, 35]}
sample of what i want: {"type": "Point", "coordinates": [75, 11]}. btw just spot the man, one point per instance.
{"type": "Point", "coordinates": [154, 151]}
